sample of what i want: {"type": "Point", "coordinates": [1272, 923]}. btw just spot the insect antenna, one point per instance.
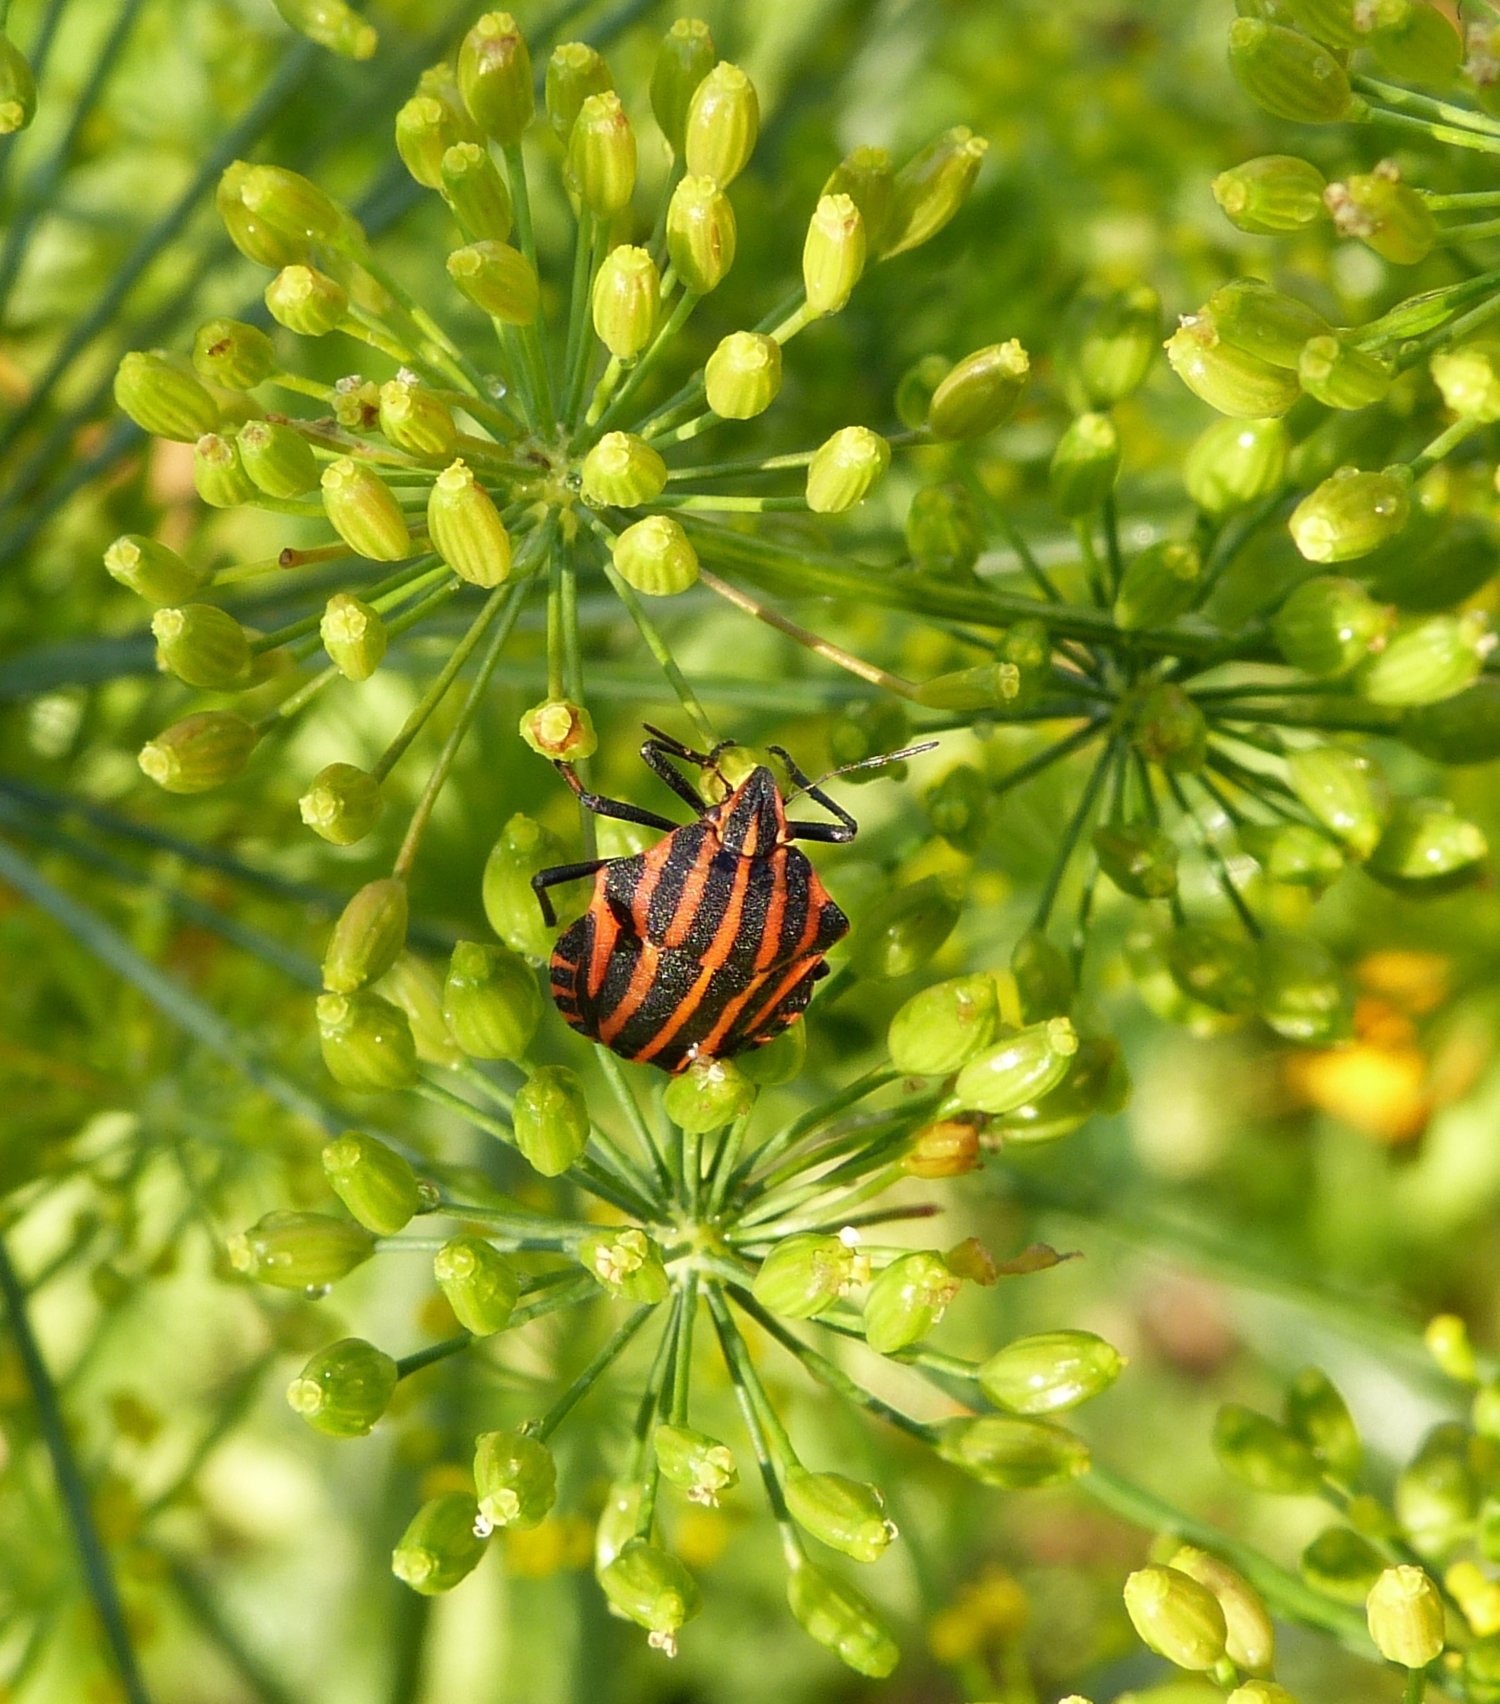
{"type": "Point", "coordinates": [806, 786]}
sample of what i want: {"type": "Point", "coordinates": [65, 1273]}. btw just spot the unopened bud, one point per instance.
{"type": "Point", "coordinates": [1214, 967]}
{"type": "Point", "coordinates": [353, 635]}
{"type": "Point", "coordinates": [651, 1587]}
{"type": "Point", "coordinates": [931, 187]}
{"type": "Point", "coordinates": [233, 354]}
{"type": "Point", "coordinates": [944, 1026]}
{"type": "Point", "coordinates": [574, 72]}
{"type": "Point", "coordinates": [291, 203]}
{"type": "Point", "coordinates": [902, 930]}
{"type": "Point", "coordinates": [842, 1513]}
{"type": "Point", "coordinates": [1344, 792]}
{"type": "Point", "coordinates": [1289, 75]}
{"type": "Point", "coordinates": [515, 1478]}
{"type": "Point", "coordinates": [1170, 729]}
{"type": "Point", "coordinates": [1050, 1372]}
{"type": "Point", "coordinates": [958, 806]}
{"type": "Point", "coordinates": [723, 121]}
{"type": "Point", "coordinates": [1428, 847]}
{"type": "Point", "coordinates": [622, 470]}
{"type": "Point", "coordinates": [1459, 730]}
{"type": "Point", "coordinates": [278, 459]}
{"type": "Point", "coordinates": [364, 511]}
{"type": "Point", "coordinates": [1177, 1617]}
{"type": "Point", "coordinates": [1384, 213]}
{"type": "Point", "coordinates": [440, 1548]}
{"type": "Point", "coordinates": [253, 236]}
{"type": "Point", "coordinates": [480, 1284]}
{"type": "Point", "coordinates": [344, 1389]}
{"type": "Point", "coordinates": [151, 570]}
{"type": "Point", "coordinates": [551, 1119]}
{"type": "Point", "coordinates": [1096, 1082]}
{"type": "Point", "coordinates": [1271, 195]}
{"type": "Point", "coordinates": [627, 1263]}
{"type": "Point", "coordinates": [982, 392]}
{"type": "Point", "coordinates": [1106, 344]}
{"type": "Point", "coordinates": [656, 557]}
{"type": "Point", "coordinates": [332, 24]}
{"type": "Point", "coordinates": [627, 295]}
{"type": "Point", "coordinates": [300, 1251]}
{"type": "Point", "coordinates": [219, 475]}
{"type": "Point", "coordinates": [1263, 321]}
{"type": "Point", "coordinates": [198, 753]}
{"type": "Point", "coordinates": [1320, 1417]}
{"type": "Point", "coordinates": [202, 645]}
{"type": "Point", "coordinates": [701, 234]}
{"type": "Point", "coordinates": [1293, 853]}
{"type": "Point", "coordinates": [342, 805]}
{"type": "Point", "coordinates": [600, 167]}
{"type": "Point", "coordinates": [1416, 43]}
{"type": "Point", "coordinates": [415, 987]}
{"type": "Point", "coordinates": [807, 1273]}
{"type": "Point", "coordinates": [948, 1148]}
{"type": "Point", "coordinates": [17, 88]}
{"type": "Point", "coordinates": [684, 59]}
{"type": "Point", "coordinates": [370, 933]}
{"type": "Point", "coordinates": [943, 530]}
{"type": "Point", "coordinates": [366, 1041]}
{"type": "Point", "coordinates": [780, 1060]}
{"type": "Point", "coordinates": [1304, 995]}
{"type": "Point", "coordinates": [700, 1465]}
{"type": "Point", "coordinates": [1013, 1452]}
{"type": "Point", "coordinates": [743, 375]}
{"type": "Point", "coordinates": [494, 74]}
{"type": "Point", "coordinates": [1264, 1455]}
{"type": "Point", "coordinates": [1018, 1069]}
{"type": "Point", "coordinates": [1428, 658]}
{"type": "Point", "coordinates": [426, 128]}
{"type": "Point", "coordinates": [373, 1181]}
{"type": "Point", "coordinates": [414, 419]}
{"type": "Point", "coordinates": [473, 188]}
{"type": "Point", "coordinates": [1139, 859]}
{"type": "Point", "coordinates": [1339, 375]}
{"type": "Point", "coordinates": [1228, 379]}
{"type": "Point", "coordinates": [163, 397]}
{"type": "Point", "coordinates": [868, 178]}
{"type": "Point", "coordinates": [491, 1001]}
{"type": "Point", "coordinates": [1044, 977]}
{"type": "Point", "coordinates": [466, 528]}
{"type": "Point", "coordinates": [1329, 624]}
{"type": "Point", "coordinates": [1084, 465]}
{"type": "Point", "coordinates": [907, 1300]}
{"type": "Point", "coordinates": [1405, 1615]}
{"type": "Point", "coordinates": [307, 301]}
{"type": "Point", "coordinates": [833, 256]}
{"type": "Point", "coordinates": [842, 1619]}
{"type": "Point", "coordinates": [524, 849]}
{"type": "Point", "coordinates": [710, 1093]}
{"type": "Point", "coordinates": [1236, 463]}
{"type": "Point", "coordinates": [844, 468]}
{"type": "Point", "coordinates": [1342, 1564]}
{"type": "Point", "coordinates": [560, 731]}
{"type": "Point", "coordinates": [1448, 1342]}
{"type": "Point", "coordinates": [1158, 585]}
{"type": "Point", "coordinates": [497, 278]}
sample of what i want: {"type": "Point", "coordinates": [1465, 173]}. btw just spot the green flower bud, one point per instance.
{"type": "Point", "coordinates": [931, 187]}
{"type": "Point", "coordinates": [623, 470]}
{"type": "Point", "coordinates": [364, 512]}
{"type": "Point", "coordinates": [743, 375]}
{"type": "Point", "coordinates": [560, 731]}
{"type": "Point", "coordinates": [1177, 1617]}
{"type": "Point", "coordinates": [491, 1001]}
{"type": "Point", "coordinates": [600, 166]}
{"type": "Point", "coordinates": [370, 933]}
{"type": "Point", "coordinates": [1319, 1416]}
{"type": "Point", "coordinates": [1428, 658]}
{"type": "Point", "coordinates": [1139, 859]}
{"type": "Point", "coordinates": [291, 203]}
{"type": "Point", "coordinates": [494, 75]}
{"type": "Point", "coordinates": [440, 1548]}
{"type": "Point", "coordinates": [867, 178]}
{"type": "Point", "coordinates": [515, 1478]}
{"type": "Point", "coordinates": [278, 459]}
{"type": "Point", "coordinates": [332, 24]}
{"type": "Point", "coordinates": [958, 806]}
{"type": "Point", "coordinates": [1293, 853]}
{"type": "Point", "coordinates": [684, 59]}
{"type": "Point", "coordinates": [373, 1181]}
{"type": "Point", "coordinates": [1303, 994]}
{"type": "Point", "coordinates": [842, 1619]}
{"type": "Point", "coordinates": [1085, 465]}
{"type": "Point", "coordinates": [1271, 195]}
{"type": "Point", "coordinates": [833, 256]}
{"type": "Point", "coordinates": [1340, 375]}
{"type": "Point", "coordinates": [1344, 792]}
{"type": "Point", "coordinates": [466, 528]}
{"type": "Point", "coordinates": [982, 392]}
{"type": "Point", "coordinates": [1462, 729]}
{"type": "Point", "coordinates": [1289, 75]}
{"type": "Point", "coordinates": [202, 645]}
{"type": "Point", "coordinates": [230, 353]}
{"type": "Point", "coordinates": [943, 531]}
{"type": "Point", "coordinates": [907, 1300]}
{"type": "Point", "coordinates": [710, 1093]}
{"type": "Point", "coordinates": [948, 1148]}
{"type": "Point", "coordinates": [779, 1060]}
{"type": "Point", "coordinates": [473, 187]}
{"type": "Point", "coordinates": [1415, 42]}
{"type": "Point", "coordinates": [916, 388]}
{"type": "Point", "coordinates": [1230, 380]}
{"type": "Point", "coordinates": [426, 128]}
{"type": "Point", "coordinates": [1437, 1495]}
{"type": "Point", "coordinates": [1236, 463]}
{"type": "Point", "coordinates": [1106, 344]}
{"type": "Point", "coordinates": [723, 121]}
{"type": "Point", "coordinates": [151, 570]}
{"type": "Point", "coordinates": [1341, 1564]}
{"type": "Point", "coordinates": [198, 753]}
{"type": "Point", "coordinates": [342, 805]}
{"type": "Point", "coordinates": [1350, 514]}
{"type": "Point", "coordinates": [253, 236]}
{"type": "Point", "coordinates": [701, 234]}
{"type": "Point", "coordinates": [701, 1465]}
{"type": "Point", "coordinates": [1012, 1452]}
{"type": "Point", "coordinates": [944, 1026]}
{"type": "Point", "coordinates": [1019, 1069]}
{"type": "Point", "coordinates": [412, 985]}
{"type": "Point", "coordinates": [652, 1588]}
{"type": "Point", "coordinates": [524, 848]}
{"type": "Point", "coordinates": [1439, 567]}
{"type": "Point", "coordinates": [1170, 729]}
{"type": "Point", "coordinates": [1158, 585]}
{"type": "Point", "coordinates": [656, 557]}
{"type": "Point", "coordinates": [844, 469]}
{"type": "Point", "coordinates": [627, 1263]}
{"type": "Point", "coordinates": [902, 930]}
{"type": "Point", "coordinates": [163, 397]}
{"type": "Point", "coordinates": [17, 89]}
{"type": "Point", "coordinates": [307, 301]}
{"type": "Point", "coordinates": [574, 72]}
{"type": "Point", "coordinates": [1405, 1615]}
{"type": "Point", "coordinates": [1328, 21]}
{"type": "Point", "coordinates": [367, 1042]}
{"type": "Point", "coordinates": [344, 1389]}
{"type": "Point", "coordinates": [300, 1251]}
{"type": "Point", "coordinates": [219, 476]}
{"type": "Point", "coordinates": [807, 1273]}
{"type": "Point", "coordinates": [1427, 848]}
{"type": "Point", "coordinates": [353, 635]}
{"type": "Point", "coordinates": [480, 1284]}
{"type": "Point", "coordinates": [1213, 967]}
{"type": "Point", "coordinates": [497, 278]}
{"type": "Point", "coordinates": [842, 1513]}
{"type": "Point", "coordinates": [1384, 213]}
{"type": "Point", "coordinates": [1044, 977]}
{"type": "Point", "coordinates": [1328, 625]}
{"type": "Point", "coordinates": [414, 419]}
{"type": "Point", "coordinates": [1260, 320]}
{"type": "Point", "coordinates": [1050, 1372]}
{"type": "Point", "coordinates": [627, 296]}
{"type": "Point", "coordinates": [1264, 1455]}
{"type": "Point", "coordinates": [1097, 1081]}
{"type": "Point", "coordinates": [551, 1119]}
{"type": "Point", "coordinates": [1481, 1672]}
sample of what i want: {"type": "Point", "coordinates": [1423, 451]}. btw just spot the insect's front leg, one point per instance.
{"type": "Point", "coordinates": [559, 873]}
{"type": "Point", "coordinates": [840, 832]}
{"type": "Point", "coordinates": [616, 808]}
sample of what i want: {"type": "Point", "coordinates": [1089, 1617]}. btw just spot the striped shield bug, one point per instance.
{"type": "Point", "coordinates": [709, 943]}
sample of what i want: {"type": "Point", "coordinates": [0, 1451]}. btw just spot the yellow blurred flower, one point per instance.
{"type": "Point", "coordinates": [560, 1542]}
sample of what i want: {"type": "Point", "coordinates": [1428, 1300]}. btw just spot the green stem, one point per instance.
{"type": "Point", "coordinates": [1454, 135]}
{"type": "Point", "coordinates": [575, 366]}
{"type": "Point", "coordinates": [414, 1363]}
{"type": "Point", "coordinates": [1071, 836]}
{"type": "Point", "coordinates": [876, 1078]}
{"type": "Point", "coordinates": [1447, 440]}
{"type": "Point", "coordinates": [590, 1375]}
{"type": "Point", "coordinates": [1408, 100]}
{"type": "Point", "coordinates": [731, 1345]}
{"type": "Point", "coordinates": [644, 1465]}
{"type": "Point", "coordinates": [1416, 1686]}
{"type": "Point", "coordinates": [1215, 857]}
{"type": "Point", "coordinates": [682, 1367]}
{"type": "Point", "coordinates": [610, 1066]}
{"type": "Point", "coordinates": [674, 323]}
{"type": "Point", "coordinates": [657, 646]}
{"type": "Point", "coordinates": [70, 1485]}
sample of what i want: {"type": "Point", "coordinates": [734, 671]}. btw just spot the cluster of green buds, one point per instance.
{"type": "Point", "coordinates": [485, 456]}
{"type": "Point", "coordinates": [728, 1226]}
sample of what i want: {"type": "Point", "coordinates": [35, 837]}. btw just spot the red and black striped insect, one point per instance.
{"type": "Point", "coordinates": [708, 944]}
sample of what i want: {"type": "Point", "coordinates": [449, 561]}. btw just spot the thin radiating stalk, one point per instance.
{"type": "Point", "coordinates": [1071, 836]}
{"type": "Point", "coordinates": [591, 1374]}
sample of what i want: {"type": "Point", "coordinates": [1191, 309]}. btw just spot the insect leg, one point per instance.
{"type": "Point", "coordinates": [655, 754]}
{"type": "Point", "coordinates": [840, 832]}
{"type": "Point", "coordinates": [616, 808]}
{"type": "Point", "coordinates": [544, 879]}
